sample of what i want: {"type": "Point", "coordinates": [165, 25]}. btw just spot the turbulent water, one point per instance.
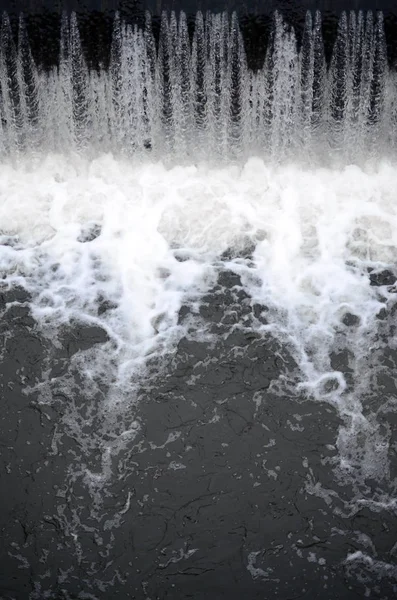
{"type": "Point", "coordinates": [126, 194]}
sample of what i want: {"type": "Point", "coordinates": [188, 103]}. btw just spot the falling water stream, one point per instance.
{"type": "Point", "coordinates": [191, 98]}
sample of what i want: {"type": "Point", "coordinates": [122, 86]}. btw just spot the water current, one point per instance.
{"type": "Point", "coordinates": [133, 196]}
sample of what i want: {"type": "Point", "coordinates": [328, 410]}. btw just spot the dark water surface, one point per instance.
{"type": "Point", "coordinates": [228, 490]}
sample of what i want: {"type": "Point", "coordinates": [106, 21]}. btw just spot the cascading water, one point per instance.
{"type": "Point", "coordinates": [193, 98]}
{"type": "Point", "coordinates": [225, 239]}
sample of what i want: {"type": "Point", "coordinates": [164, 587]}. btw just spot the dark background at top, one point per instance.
{"type": "Point", "coordinates": [95, 21]}
{"type": "Point", "coordinates": [247, 7]}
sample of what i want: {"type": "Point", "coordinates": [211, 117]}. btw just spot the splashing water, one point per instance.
{"type": "Point", "coordinates": [127, 185]}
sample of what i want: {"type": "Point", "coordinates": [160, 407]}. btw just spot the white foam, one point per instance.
{"type": "Point", "coordinates": [315, 233]}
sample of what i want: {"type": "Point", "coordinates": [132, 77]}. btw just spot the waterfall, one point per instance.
{"type": "Point", "coordinates": [190, 95]}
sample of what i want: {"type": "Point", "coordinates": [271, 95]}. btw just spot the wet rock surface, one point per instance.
{"type": "Point", "coordinates": [220, 482]}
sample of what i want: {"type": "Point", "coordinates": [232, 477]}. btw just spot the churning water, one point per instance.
{"type": "Point", "coordinates": [127, 186]}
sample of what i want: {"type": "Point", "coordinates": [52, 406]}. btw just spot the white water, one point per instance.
{"type": "Point", "coordinates": [315, 233]}
{"type": "Point", "coordinates": [316, 229]}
